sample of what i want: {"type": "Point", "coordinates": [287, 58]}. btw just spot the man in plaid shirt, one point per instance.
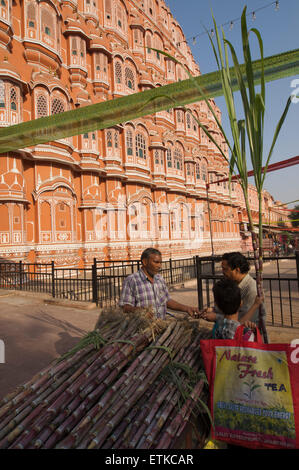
{"type": "Point", "coordinates": [147, 288]}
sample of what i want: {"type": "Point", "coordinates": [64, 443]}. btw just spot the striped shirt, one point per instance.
{"type": "Point", "coordinates": [139, 291]}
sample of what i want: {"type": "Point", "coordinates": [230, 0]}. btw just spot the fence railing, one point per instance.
{"type": "Point", "coordinates": [102, 282]}
{"type": "Point", "coordinates": [280, 288]}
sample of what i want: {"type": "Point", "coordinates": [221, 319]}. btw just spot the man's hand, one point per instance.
{"type": "Point", "coordinates": [192, 311]}
{"type": "Point", "coordinates": [208, 314]}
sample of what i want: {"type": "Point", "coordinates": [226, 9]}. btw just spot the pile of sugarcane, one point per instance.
{"type": "Point", "coordinates": [132, 383]}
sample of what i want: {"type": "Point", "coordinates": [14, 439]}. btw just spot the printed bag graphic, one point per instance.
{"type": "Point", "coordinates": [254, 392]}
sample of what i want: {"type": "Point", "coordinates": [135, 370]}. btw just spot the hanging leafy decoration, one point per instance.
{"type": "Point", "coordinates": [109, 113]}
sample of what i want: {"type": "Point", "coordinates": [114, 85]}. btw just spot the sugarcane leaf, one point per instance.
{"type": "Point", "coordinates": [276, 133]}
{"type": "Point", "coordinates": [263, 87]}
{"type": "Point", "coordinates": [196, 84]}
{"type": "Point", "coordinates": [247, 108]}
{"type": "Point", "coordinates": [247, 56]}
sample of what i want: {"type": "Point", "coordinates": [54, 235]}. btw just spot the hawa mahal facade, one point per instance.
{"type": "Point", "coordinates": [108, 194]}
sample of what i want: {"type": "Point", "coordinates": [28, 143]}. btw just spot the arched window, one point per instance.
{"type": "Point", "coordinates": [158, 45]}
{"type": "Point", "coordinates": [31, 23]}
{"type": "Point", "coordinates": [129, 142]}
{"type": "Point", "coordinates": [169, 158]}
{"type": "Point", "coordinates": [82, 51]}
{"type": "Point", "coordinates": [101, 66]}
{"type": "Point", "coordinates": [197, 170]}
{"type": "Point", "coordinates": [48, 27]}
{"type": "Point", "coordinates": [140, 146]}
{"type": "Point", "coordinates": [148, 44]}
{"type": "Point", "coordinates": [188, 120]}
{"type": "Point", "coordinates": [118, 72]}
{"type": "Point", "coordinates": [204, 171]}
{"type": "Point", "coordinates": [130, 78]}
{"type": "Point", "coordinates": [2, 94]}
{"type": "Point", "coordinates": [157, 160]}
{"type": "Point", "coordinates": [10, 99]}
{"type": "Point", "coordinates": [112, 142]}
{"type": "Point", "coordinates": [138, 38]}
{"type": "Point", "coordinates": [121, 18]}
{"type": "Point", "coordinates": [178, 159]}
{"type": "Point", "coordinates": [116, 139]}
{"type": "Point", "coordinates": [109, 138]}
{"type": "Point", "coordinates": [4, 10]}
{"type": "Point", "coordinates": [57, 106]}
{"type": "Point", "coordinates": [41, 106]}
{"type": "Point", "coordinates": [13, 99]}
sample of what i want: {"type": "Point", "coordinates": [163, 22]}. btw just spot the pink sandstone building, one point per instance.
{"type": "Point", "coordinates": [108, 194]}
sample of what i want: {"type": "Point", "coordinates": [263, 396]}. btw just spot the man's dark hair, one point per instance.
{"type": "Point", "coordinates": [235, 259]}
{"type": "Point", "coordinates": [148, 252]}
{"type": "Point", "coordinates": [227, 296]}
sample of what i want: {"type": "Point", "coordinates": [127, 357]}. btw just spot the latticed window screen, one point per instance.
{"type": "Point", "coordinates": [48, 23]}
{"type": "Point", "coordinates": [129, 142]}
{"type": "Point", "coordinates": [138, 37]}
{"type": "Point", "coordinates": [204, 172]}
{"type": "Point", "coordinates": [109, 138]}
{"type": "Point", "coordinates": [74, 46]}
{"type": "Point", "coordinates": [13, 99]}
{"type": "Point", "coordinates": [188, 120]}
{"type": "Point", "coordinates": [82, 48]}
{"type": "Point", "coordinates": [31, 9]}
{"type": "Point", "coordinates": [57, 106]}
{"type": "Point", "coordinates": [169, 158]}
{"type": "Point", "coordinates": [197, 171]}
{"type": "Point", "coordinates": [2, 94]}
{"type": "Point", "coordinates": [130, 78]}
{"type": "Point", "coordinates": [116, 139]}
{"type": "Point", "coordinates": [149, 44]}
{"type": "Point", "coordinates": [140, 146]}
{"type": "Point", "coordinates": [178, 159]}
{"type": "Point", "coordinates": [180, 116]}
{"type": "Point", "coordinates": [118, 72]}
{"type": "Point", "coordinates": [157, 160]}
{"type": "Point", "coordinates": [41, 106]}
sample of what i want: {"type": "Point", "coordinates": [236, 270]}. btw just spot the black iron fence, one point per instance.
{"type": "Point", "coordinates": [281, 287]}
{"type": "Point", "coordinates": [102, 282]}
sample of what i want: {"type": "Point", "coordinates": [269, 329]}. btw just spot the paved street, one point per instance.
{"type": "Point", "coordinates": [35, 333]}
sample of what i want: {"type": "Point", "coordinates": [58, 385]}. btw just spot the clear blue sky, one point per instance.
{"type": "Point", "coordinates": [280, 33]}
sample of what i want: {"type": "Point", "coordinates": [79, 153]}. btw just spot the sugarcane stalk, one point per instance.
{"type": "Point", "coordinates": [124, 405]}
{"type": "Point", "coordinates": [11, 423]}
{"type": "Point", "coordinates": [174, 426]}
{"type": "Point", "coordinates": [160, 419]}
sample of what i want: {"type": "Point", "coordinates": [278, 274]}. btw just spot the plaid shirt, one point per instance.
{"type": "Point", "coordinates": [224, 328]}
{"type": "Point", "coordinates": [138, 291]}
